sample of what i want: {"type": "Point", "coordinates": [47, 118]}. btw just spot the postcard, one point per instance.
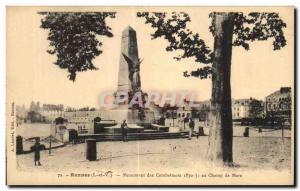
{"type": "Point", "coordinates": [189, 96]}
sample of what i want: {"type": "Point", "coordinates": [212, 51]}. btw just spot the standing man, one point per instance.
{"type": "Point", "coordinates": [185, 120]}
{"type": "Point", "coordinates": [124, 128]}
{"type": "Point", "coordinates": [36, 148]}
{"type": "Point", "coordinates": [191, 128]}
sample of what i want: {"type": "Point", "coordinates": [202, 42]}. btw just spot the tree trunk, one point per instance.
{"type": "Point", "coordinates": [220, 119]}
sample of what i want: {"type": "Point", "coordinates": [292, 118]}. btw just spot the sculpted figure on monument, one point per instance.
{"type": "Point", "coordinates": [134, 73]}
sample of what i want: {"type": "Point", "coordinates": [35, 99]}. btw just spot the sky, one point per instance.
{"type": "Point", "coordinates": [32, 76]}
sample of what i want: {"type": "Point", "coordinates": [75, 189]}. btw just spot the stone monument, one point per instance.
{"type": "Point", "coordinates": [129, 81]}
{"type": "Point", "coordinates": [129, 67]}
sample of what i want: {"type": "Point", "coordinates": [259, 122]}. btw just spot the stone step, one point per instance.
{"type": "Point", "coordinates": [134, 136]}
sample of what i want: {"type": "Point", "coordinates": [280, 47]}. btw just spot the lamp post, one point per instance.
{"type": "Point", "coordinates": [50, 145]}
{"type": "Point", "coordinates": [50, 137]}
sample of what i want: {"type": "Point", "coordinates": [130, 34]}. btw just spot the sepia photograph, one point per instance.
{"type": "Point", "coordinates": [150, 96]}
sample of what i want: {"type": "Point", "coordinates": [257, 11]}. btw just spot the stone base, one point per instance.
{"type": "Point", "coordinates": [131, 116]}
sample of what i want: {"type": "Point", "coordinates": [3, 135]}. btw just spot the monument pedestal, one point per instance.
{"type": "Point", "coordinates": [132, 116]}
{"type": "Point", "coordinates": [129, 83]}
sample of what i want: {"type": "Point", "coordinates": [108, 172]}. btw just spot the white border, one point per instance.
{"type": "Point", "coordinates": [5, 3]}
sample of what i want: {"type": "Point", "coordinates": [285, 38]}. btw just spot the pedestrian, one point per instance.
{"type": "Point", "coordinates": [124, 128]}
{"type": "Point", "coordinates": [37, 148]}
{"type": "Point", "coordinates": [185, 120]}
{"type": "Point", "coordinates": [200, 132]}
{"type": "Point", "coordinates": [191, 128]}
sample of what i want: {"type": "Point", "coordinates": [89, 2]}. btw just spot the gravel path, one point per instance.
{"type": "Point", "coordinates": [255, 153]}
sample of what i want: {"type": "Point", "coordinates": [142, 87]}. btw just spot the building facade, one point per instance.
{"type": "Point", "coordinates": [50, 112]}
{"type": "Point", "coordinates": [247, 108]}
{"type": "Point", "coordinates": [278, 103]}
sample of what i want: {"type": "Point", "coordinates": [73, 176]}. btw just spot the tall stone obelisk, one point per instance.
{"type": "Point", "coordinates": [129, 81]}
{"type": "Point", "coordinates": [128, 78]}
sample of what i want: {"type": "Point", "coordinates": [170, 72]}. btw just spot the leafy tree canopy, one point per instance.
{"type": "Point", "coordinates": [73, 38]}
{"type": "Point", "coordinates": [247, 28]}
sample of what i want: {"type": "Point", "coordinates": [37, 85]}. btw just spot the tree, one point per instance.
{"type": "Point", "coordinates": [73, 38]}
{"type": "Point", "coordinates": [228, 29]}
{"type": "Point", "coordinates": [33, 106]}
{"type": "Point", "coordinates": [59, 120]}
{"type": "Point", "coordinates": [256, 108]}
{"type": "Point", "coordinates": [34, 116]}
